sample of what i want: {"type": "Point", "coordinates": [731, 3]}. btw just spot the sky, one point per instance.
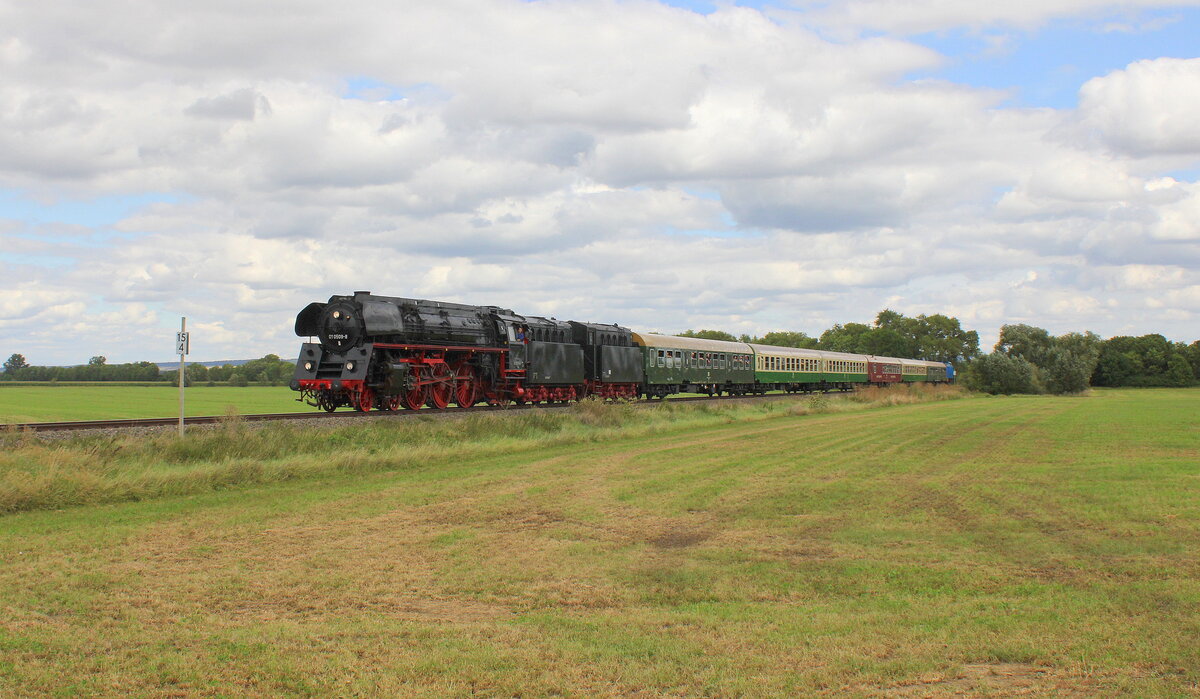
{"type": "Point", "coordinates": [665, 165]}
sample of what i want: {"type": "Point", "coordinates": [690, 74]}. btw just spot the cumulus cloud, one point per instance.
{"type": "Point", "coordinates": [621, 161]}
{"type": "Point", "coordinates": [1147, 109]}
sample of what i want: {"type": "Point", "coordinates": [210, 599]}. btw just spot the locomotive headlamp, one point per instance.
{"type": "Point", "coordinates": [337, 314]}
{"type": "Point", "coordinates": [308, 366]}
{"type": "Point", "coordinates": [349, 366]}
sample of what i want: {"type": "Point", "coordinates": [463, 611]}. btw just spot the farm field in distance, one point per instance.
{"type": "Point", "coordinates": [100, 401]}
{"type": "Point", "coordinates": [997, 546]}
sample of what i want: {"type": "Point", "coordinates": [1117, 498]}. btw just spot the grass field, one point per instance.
{"type": "Point", "coordinates": [52, 403]}
{"type": "Point", "coordinates": [993, 546]}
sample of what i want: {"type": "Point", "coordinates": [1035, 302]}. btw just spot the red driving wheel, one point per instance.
{"type": "Point", "coordinates": [439, 392]}
{"type": "Point", "coordinates": [466, 390]}
{"type": "Point", "coordinates": [414, 398]}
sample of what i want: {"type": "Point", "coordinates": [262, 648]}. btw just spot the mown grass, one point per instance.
{"type": "Point", "coordinates": [99, 401]}
{"type": "Point", "coordinates": [989, 546]}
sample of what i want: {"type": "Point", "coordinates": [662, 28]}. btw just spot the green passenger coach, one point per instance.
{"type": "Point", "coordinates": [787, 368]}
{"type": "Point", "coordinates": [935, 372]}
{"type": "Point", "coordinates": [693, 365]}
{"type": "Point", "coordinates": [914, 370]}
{"type": "Point", "coordinates": [793, 369]}
{"type": "Point", "coordinates": [845, 370]}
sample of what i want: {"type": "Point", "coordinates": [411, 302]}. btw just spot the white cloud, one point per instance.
{"type": "Point", "coordinates": [1147, 109]}
{"type": "Point", "coordinates": [622, 161]}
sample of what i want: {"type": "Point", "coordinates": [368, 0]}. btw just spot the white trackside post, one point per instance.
{"type": "Point", "coordinates": [181, 346]}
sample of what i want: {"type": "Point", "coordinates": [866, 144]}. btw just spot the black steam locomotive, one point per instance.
{"type": "Point", "coordinates": [385, 352]}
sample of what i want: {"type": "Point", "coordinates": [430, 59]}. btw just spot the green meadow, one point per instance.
{"type": "Point", "coordinates": [904, 543]}
{"type": "Point", "coordinates": [49, 402]}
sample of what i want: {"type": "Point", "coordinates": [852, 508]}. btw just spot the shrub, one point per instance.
{"type": "Point", "coordinates": [999, 373]}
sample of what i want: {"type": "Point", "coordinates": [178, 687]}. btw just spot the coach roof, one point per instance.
{"type": "Point", "coordinates": [694, 344]}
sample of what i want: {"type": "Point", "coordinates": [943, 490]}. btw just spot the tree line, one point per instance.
{"type": "Point", "coordinates": [266, 371]}
{"type": "Point", "coordinates": [1026, 359]}
{"type": "Point", "coordinates": [936, 337]}
{"type": "Point", "coordinates": [1029, 359]}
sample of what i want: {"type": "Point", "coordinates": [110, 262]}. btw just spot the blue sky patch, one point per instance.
{"type": "Point", "coordinates": [97, 212]}
{"type": "Point", "coordinates": [1046, 67]}
{"type": "Point", "coordinates": [370, 89]}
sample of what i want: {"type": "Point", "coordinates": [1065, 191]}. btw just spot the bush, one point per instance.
{"type": "Point", "coordinates": [1067, 372]}
{"type": "Point", "coordinates": [999, 373]}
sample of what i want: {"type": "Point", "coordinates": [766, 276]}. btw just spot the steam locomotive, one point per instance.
{"type": "Point", "coordinates": [386, 352]}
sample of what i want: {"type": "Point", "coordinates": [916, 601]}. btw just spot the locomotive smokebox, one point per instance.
{"type": "Point", "coordinates": [341, 326]}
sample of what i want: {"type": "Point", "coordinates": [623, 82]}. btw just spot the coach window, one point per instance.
{"type": "Point", "coordinates": [678, 359]}
{"type": "Point", "coordinates": [660, 358]}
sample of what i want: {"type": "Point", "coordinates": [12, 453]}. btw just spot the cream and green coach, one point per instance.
{"type": "Point", "coordinates": [787, 368]}
{"type": "Point", "coordinates": [914, 370]}
{"type": "Point", "coordinates": [794, 369]}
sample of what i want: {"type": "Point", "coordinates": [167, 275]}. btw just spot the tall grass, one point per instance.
{"type": "Point", "coordinates": [39, 474]}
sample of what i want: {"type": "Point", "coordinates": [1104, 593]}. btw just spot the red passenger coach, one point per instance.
{"type": "Point", "coordinates": [881, 370]}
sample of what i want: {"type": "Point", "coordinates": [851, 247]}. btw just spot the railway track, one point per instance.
{"type": "Point", "coordinates": [374, 414]}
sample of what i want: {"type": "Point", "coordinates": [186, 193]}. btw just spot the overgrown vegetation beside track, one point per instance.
{"type": "Point", "coordinates": [39, 474]}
